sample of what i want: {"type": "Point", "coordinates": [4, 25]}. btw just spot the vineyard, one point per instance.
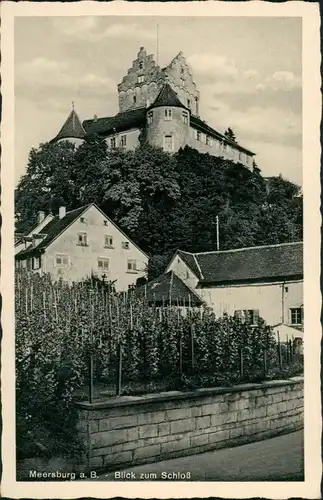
{"type": "Point", "coordinates": [69, 338]}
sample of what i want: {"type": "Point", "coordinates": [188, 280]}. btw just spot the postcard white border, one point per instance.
{"type": "Point", "coordinates": [310, 488]}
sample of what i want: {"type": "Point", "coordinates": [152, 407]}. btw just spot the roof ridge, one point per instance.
{"type": "Point", "coordinates": [248, 248]}
{"type": "Point", "coordinates": [198, 266]}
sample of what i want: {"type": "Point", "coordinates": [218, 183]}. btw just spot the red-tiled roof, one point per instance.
{"type": "Point", "coordinates": [72, 128]}
{"type": "Point", "coordinates": [247, 264]}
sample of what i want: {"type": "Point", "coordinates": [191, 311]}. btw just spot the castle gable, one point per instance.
{"type": "Point", "coordinates": [140, 86]}
{"type": "Point", "coordinates": [179, 76]}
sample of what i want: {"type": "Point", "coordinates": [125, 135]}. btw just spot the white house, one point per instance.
{"type": "Point", "coordinates": [76, 244]}
{"type": "Point", "coordinates": [264, 281]}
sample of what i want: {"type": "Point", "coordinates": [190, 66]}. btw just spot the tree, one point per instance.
{"type": "Point", "coordinates": [47, 184]}
{"type": "Point", "coordinates": [230, 134]}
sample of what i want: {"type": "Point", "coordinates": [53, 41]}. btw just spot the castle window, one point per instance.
{"type": "Point", "coordinates": [182, 71]}
{"type": "Point", "coordinates": [182, 82]}
{"type": "Point", "coordinates": [188, 103]}
{"type": "Point", "coordinates": [208, 140]}
{"type": "Point", "coordinates": [168, 114]}
{"type": "Point", "coordinates": [150, 116]}
{"type": "Point", "coordinates": [123, 141]}
{"type": "Point", "coordinates": [134, 99]}
{"type": "Point", "coordinates": [113, 142]}
{"type": "Point", "coordinates": [141, 79]}
{"type": "Point", "coordinates": [168, 143]}
{"type": "Point", "coordinates": [141, 65]}
{"type": "Point", "coordinates": [198, 135]}
{"type": "Point", "coordinates": [185, 117]}
{"type": "Point", "coordinates": [240, 156]}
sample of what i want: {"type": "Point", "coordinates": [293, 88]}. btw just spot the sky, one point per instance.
{"type": "Point", "coordinates": [248, 71]}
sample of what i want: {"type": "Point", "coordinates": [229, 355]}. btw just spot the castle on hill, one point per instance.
{"type": "Point", "coordinates": [161, 107]}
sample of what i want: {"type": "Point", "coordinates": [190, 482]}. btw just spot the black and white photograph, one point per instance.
{"type": "Point", "coordinates": [160, 297]}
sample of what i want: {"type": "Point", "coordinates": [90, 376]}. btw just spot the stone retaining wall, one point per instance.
{"type": "Point", "coordinates": [128, 431]}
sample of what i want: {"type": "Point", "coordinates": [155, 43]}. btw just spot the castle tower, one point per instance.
{"type": "Point", "coordinates": [167, 121]}
{"type": "Point", "coordinates": [72, 130]}
{"type": "Point", "coordinates": [179, 76]}
{"type": "Point", "coordinates": [139, 88]}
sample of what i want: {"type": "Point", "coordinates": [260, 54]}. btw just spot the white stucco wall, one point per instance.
{"type": "Point", "coordinates": [83, 260]}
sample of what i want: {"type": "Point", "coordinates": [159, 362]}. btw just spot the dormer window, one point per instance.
{"type": "Point", "coordinates": [141, 79]}
{"type": "Point", "coordinates": [150, 116]}
{"type": "Point", "coordinates": [168, 114]}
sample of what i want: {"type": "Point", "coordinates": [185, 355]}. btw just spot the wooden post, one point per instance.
{"type": "Point", "coordinates": [265, 361]}
{"type": "Point", "coordinates": [180, 355]}
{"type": "Point", "coordinates": [192, 347]}
{"type": "Point", "coordinates": [119, 370]}
{"type": "Point", "coordinates": [91, 384]}
{"type": "Point", "coordinates": [241, 362]}
{"type": "Point", "coordinates": [279, 352]}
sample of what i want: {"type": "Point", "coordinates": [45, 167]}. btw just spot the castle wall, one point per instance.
{"type": "Point", "coordinates": [160, 128]}
{"type": "Point", "coordinates": [132, 139]}
{"type": "Point", "coordinates": [213, 146]}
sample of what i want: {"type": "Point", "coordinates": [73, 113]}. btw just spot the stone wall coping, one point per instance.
{"type": "Point", "coordinates": [117, 401]}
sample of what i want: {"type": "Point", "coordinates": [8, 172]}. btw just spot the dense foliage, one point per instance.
{"type": "Point", "coordinates": [59, 328]}
{"type": "Point", "coordinates": [162, 201]}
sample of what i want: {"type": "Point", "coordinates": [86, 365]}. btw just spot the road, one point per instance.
{"type": "Point", "coordinates": [276, 459]}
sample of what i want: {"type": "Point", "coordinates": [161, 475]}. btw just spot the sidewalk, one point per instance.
{"type": "Point", "coordinates": [276, 459]}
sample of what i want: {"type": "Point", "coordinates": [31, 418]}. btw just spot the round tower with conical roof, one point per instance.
{"type": "Point", "coordinates": [167, 121]}
{"type": "Point", "coordinates": [72, 130]}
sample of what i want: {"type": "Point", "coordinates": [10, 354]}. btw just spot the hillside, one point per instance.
{"type": "Point", "coordinates": [162, 201]}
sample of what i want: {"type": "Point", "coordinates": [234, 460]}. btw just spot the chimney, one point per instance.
{"type": "Point", "coordinates": [40, 217]}
{"type": "Point", "coordinates": [61, 212]}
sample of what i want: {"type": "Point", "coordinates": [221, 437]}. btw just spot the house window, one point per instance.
{"type": "Point", "coordinates": [105, 222]}
{"type": "Point", "coordinates": [141, 79]}
{"type": "Point", "coordinates": [198, 135]}
{"type": "Point", "coordinates": [62, 260]}
{"type": "Point", "coordinates": [224, 146]}
{"type": "Point", "coordinates": [82, 219]}
{"type": "Point", "coordinates": [125, 245]}
{"type": "Point", "coordinates": [296, 316]}
{"type": "Point", "coordinates": [251, 315]}
{"type": "Point", "coordinates": [36, 262]}
{"type": "Point", "coordinates": [168, 114]}
{"type": "Point", "coordinates": [113, 142]}
{"type": "Point", "coordinates": [103, 263]}
{"type": "Point", "coordinates": [131, 266]}
{"type": "Point", "coordinates": [108, 241]}
{"type": "Point", "coordinates": [150, 116]}
{"type": "Point", "coordinates": [123, 141]}
{"type": "Point", "coordinates": [82, 239]}
{"type": "Point", "coordinates": [185, 117]}
{"type": "Point", "coordinates": [168, 143]}
{"type": "Point", "coordinates": [208, 140]}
